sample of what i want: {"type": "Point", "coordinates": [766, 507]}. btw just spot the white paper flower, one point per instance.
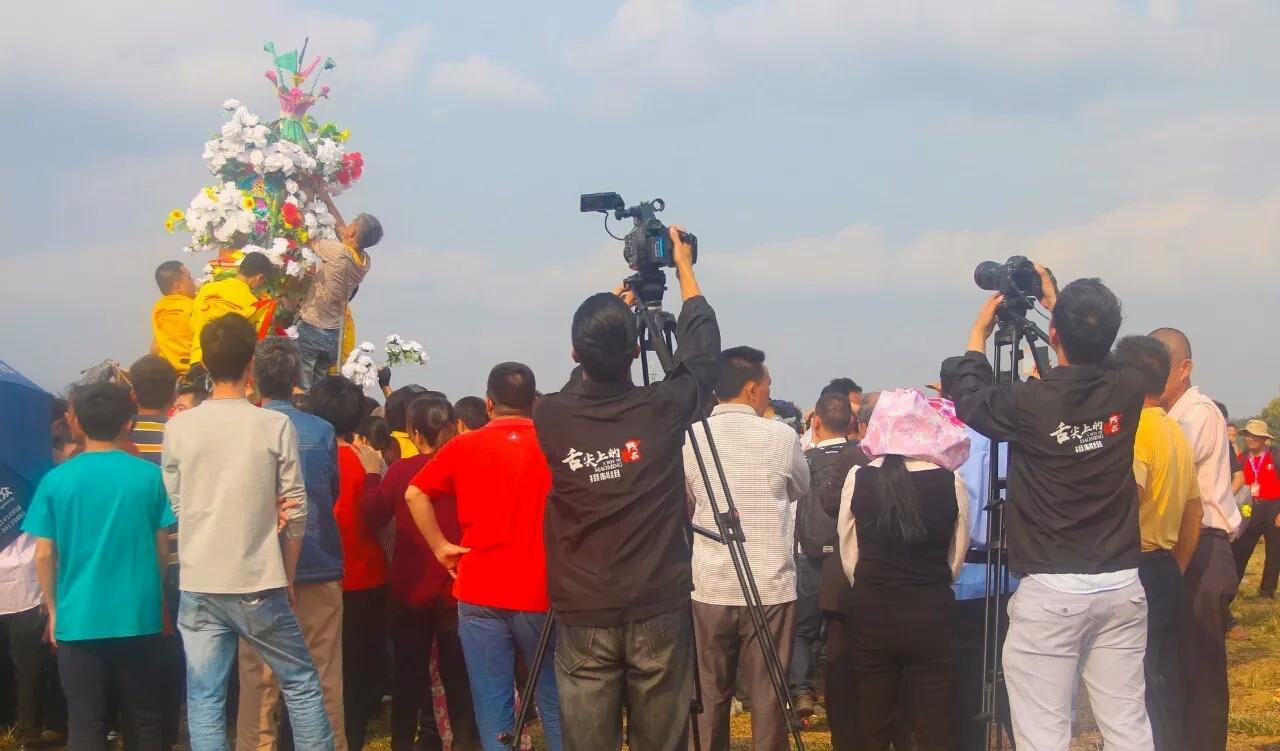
{"type": "Point", "coordinates": [291, 186]}
{"type": "Point", "coordinates": [366, 346]}
{"type": "Point", "coordinates": [292, 331]}
{"type": "Point", "coordinates": [230, 104]}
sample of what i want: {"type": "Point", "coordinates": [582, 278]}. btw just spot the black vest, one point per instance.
{"type": "Point", "coordinates": [888, 562]}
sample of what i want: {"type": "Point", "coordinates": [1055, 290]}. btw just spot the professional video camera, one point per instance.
{"type": "Point", "coordinates": [647, 247]}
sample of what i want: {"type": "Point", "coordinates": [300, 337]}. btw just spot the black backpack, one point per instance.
{"type": "Point", "coordinates": [815, 529]}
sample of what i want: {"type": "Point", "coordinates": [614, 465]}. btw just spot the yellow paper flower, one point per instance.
{"type": "Point", "coordinates": [168, 224]}
{"type": "Point", "coordinates": [211, 193]}
{"type": "Point", "coordinates": [303, 237]}
{"type": "Point", "coordinates": [247, 202]}
{"type": "Point", "coordinates": [344, 135]}
{"type": "Point", "coordinates": [176, 215]}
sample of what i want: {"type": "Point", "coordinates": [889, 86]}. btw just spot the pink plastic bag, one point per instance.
{"type": "Point", "coordinates": [905, 423]}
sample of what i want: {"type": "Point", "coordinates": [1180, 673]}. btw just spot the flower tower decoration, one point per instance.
{"type": "Point", "coordinates": [265, 178]}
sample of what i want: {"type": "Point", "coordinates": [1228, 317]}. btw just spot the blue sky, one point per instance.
{"type": "Point", "coordinates": [844, 164]}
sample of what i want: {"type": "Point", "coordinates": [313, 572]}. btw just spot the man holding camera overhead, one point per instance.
{"type": "Point", "coordinates": [1072, 520]}
{"type": "Point", "coordinates": [618, 566]}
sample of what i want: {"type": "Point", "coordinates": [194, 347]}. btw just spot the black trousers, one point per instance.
{"type": "Point", "coordinates": [1261, 525]}
{"type": "Point", "coordinates": [903, 641]}
{"type": "Point", "coordinates": [1162, 579]}
{"type": "Point", "coordinates": [1209, 584]}
{"type": "Point", "coordinates": [24, 633]}
{"type": "Point", "coordinates": [971, 731]}
{"type": "Point", "coordinates": [413, 630]}
{"type": "Point", "coordinates": [364, 635]}
{"type": "Point", "coordinates": [87, 669]}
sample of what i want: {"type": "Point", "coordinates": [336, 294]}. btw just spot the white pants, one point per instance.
{"type": "Point", "coordinates": [1055, 639]}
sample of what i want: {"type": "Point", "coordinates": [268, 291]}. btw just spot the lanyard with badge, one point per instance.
{"type": "Point", "coordinates": [1257, 466]}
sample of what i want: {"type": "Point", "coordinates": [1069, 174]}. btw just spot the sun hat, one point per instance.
{"type": "Point", "coordinates": [1258, 429]}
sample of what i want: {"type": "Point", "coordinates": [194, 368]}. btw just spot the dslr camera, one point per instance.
{"type": "Point", "coordinates": [647, 248]}
{"type": "Point", "coordinates": [1016, 279]}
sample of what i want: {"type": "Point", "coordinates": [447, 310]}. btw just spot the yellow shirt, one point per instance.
{"type": "Point", "coordinates": [171, 327]}
{"type": "Point", "coordinates": [407, 449]}
{"type": "Point", "coordinates": [1165, 470]}
{"type": "Point", "coordinates": [347, 343]}
{"type": "Point", "coordinates": [216, 299]}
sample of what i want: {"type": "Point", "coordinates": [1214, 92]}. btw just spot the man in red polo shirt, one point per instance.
{"type": "Point", "coordinates": [500, 479]}
{"type": "Point", "coordinates": [1263, 480]}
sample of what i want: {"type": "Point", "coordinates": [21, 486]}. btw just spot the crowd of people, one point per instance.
{"type": "Point", "coordinates": [234, 529]}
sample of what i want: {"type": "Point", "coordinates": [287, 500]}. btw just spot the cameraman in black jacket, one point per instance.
{"type": "Point", "coordinates": [1072, 520]}
{"type": "Point", "coordinates": [618, 556]}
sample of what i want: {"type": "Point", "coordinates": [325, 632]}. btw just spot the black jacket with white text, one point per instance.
{"type": "Point", "coordinates": [617, 516]}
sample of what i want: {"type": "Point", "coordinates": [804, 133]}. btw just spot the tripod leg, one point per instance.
{"type": "Point", "coordinates": [512, 739]}
{"type": "Point", "coordinates": [695, 706]}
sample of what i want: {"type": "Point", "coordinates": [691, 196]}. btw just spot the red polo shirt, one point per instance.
{"type": "Point", "coordinates": [500, 479]}
{"type": "Point", "coordinates": [1262, 471]}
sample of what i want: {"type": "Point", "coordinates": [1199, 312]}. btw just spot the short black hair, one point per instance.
{"type": "Point", "coordinates": [338, 401]}
{"type": "Point", "coordinates": [228, 343]}
{"type": "Point", "coordinates": [276, 367]}
{"type": "Point", "coordinates": [1149, 358]}
{"type": "Point", "coordinates": [168, 274]}
{"type": "Point", "coordinates": [1087, 317]}
{"type": "Point", "coordinates": [154, 381]}
{"type": "Point", "coordinates": [398, 403]}
{"type": "Point", "coordinates": [102, 409]}
{"type": "Point", "coordinates": [257, 263]}
{"type": "Point", "coordinates": [843, 386]}
{"type": "Point", "coordinates": [835, 412]}
{"type": "Point", "coordinates": [512, 388]}
{"type": "Point", "coordinates": [1223, 409]}
{"type": "Point", "coordinates": [472, 411]}
{"type": "Point", "coordinates": [739, 366]}
{"type": "Point", "coordinates": [376, 431]}
{"type": "Point", "coordinates": [194, 388]}
{"type": "Point", "coordinates": [604, 337]}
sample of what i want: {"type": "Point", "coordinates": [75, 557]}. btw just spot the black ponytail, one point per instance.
{"type": "Point", "coordinates": [899, 517]}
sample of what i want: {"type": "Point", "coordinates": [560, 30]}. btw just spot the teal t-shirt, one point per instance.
{"type": "Point", "coordinates": [102, 511]}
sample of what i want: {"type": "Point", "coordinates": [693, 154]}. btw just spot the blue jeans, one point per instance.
{"type": "Point", "coordinates": [211, 627]}
{"type": "Point", "coordinates": [804, 655]}
{"type": "Point", "coordinates": [318, 349]}
{"type": "Point", "coordinates": [490, 637]}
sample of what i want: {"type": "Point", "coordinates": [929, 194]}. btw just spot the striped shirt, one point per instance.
{"type": "Point", "coordinates": [767, 473]}
{"type": "Point", "coordinates": [148, 436]}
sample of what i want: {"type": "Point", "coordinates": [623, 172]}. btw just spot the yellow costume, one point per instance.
{"type": "Point", "coordinates": [171, 328]}
{"type": "Point", "coordinates": [216, 299]}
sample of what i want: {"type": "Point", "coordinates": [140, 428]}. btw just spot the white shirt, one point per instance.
{"type": "Point", "coordinates": [767, 473]}
{"type": "Point", "coordinates": [1206, 430]}
{"type": "Point", "coordinates": [19, 587]}
{"type": "Point", "coordinates": [846, 524]}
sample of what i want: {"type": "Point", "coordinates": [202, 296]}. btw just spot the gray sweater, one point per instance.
{"type": "Point", "coordinates": [226, 463]}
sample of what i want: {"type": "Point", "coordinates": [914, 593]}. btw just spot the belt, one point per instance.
{"type": "Point", "coordinates": [1151, 554]}
{"type": "Point", "coordinates": [1214, 532]}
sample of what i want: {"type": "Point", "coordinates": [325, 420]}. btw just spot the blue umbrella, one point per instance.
{"type": "Point", "coordinates": [26, 447]}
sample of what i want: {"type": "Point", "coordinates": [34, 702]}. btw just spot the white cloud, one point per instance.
{"type": "Point", "coordinates": [481, 79]}
{"type": "Point", "coordinates": [670, 43]}
{"type": "Point", "coordinates": [1173, 246]}
{"type": "Point", "coordinates": [182, 56]}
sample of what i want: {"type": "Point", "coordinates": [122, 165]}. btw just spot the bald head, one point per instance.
{"type": "Point", "coordinates": [1177, 342]}
{"type": "Point", "coordinates": [1180, 365]}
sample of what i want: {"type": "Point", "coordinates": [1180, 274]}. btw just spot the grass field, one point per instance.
{"type": "Point", "coordinates": [1254, 678]}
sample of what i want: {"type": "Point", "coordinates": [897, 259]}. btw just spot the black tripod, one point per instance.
{"type": "Point", "coordinates": [1013, 328]}
{"type": "Point", "coordinates": [656, 334]}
